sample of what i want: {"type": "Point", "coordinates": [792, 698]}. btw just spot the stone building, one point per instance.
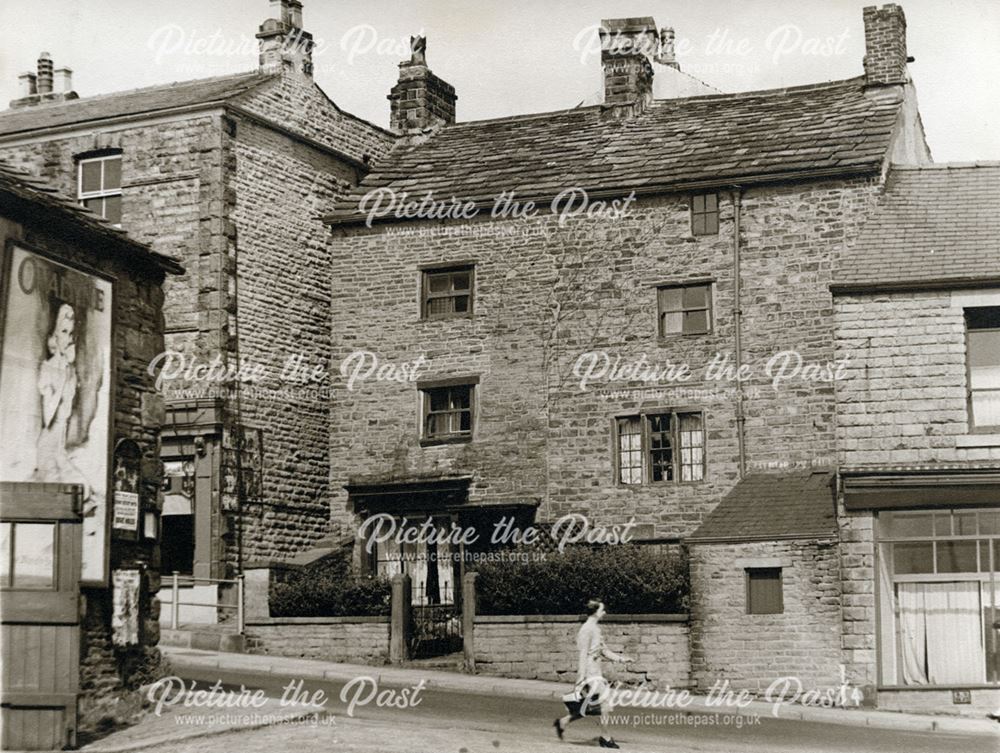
{"type": "Point", "coordinates": [523, 359]}
{"type": "Point", "coordinates": [81, 315]}
{"type": "Point", "coordinates": [917, 309]}
{"type": "Point", "coordinates": [230, 175]}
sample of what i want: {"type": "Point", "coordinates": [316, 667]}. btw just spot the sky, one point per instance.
{"type": "Point", "coordinates": [520, 56]}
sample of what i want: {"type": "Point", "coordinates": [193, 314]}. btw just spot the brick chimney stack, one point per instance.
{"type": "Point", "coordinates": [420, 100]}
{"type": "Point", "coordinates": [628, 47]}
{"type": "Point", "coordinates": [45, 85]}
{"type": "Point", "coordinates": [285, 46]}
{"type": "Point", "coordinates": [885, 45]}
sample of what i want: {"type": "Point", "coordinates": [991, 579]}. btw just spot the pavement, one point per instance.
{"type": "Point", "coordinates": [180, 722]}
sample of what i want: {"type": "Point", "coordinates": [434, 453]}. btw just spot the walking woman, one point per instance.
{"type": "Point", "coordinates": [586, 699]}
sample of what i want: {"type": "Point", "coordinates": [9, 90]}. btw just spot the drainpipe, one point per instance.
{"type": "Point", "coordinates": [738, 329]}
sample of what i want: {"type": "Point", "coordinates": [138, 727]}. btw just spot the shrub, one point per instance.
{"type": "Point", "coordinates": [629, 579]}
{"type": "Point", "coordinates": [327, 589]}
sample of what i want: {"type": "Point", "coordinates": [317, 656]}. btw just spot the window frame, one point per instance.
{"type": "Point", "coordinates": [425, 388]}
{"type": "Point", "coordinates": [102, 193]}
{"type": "Point", "coordinates": [704, 214]}
{"type": "Point", "coordinates": [709, 307]}
{"type": "Point", "coordinates": [425, 292]}
{"type": "Point", "coordinates": [748, 578]}
{"type": "Point", "coordinates": [969, 391]}
{"type": "Point", "coordinates": [646, 471]}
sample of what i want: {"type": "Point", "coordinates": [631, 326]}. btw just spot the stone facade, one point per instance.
{"type": "Point", "coordinates": [355, 640]}
{"type": "Point", "coordinates": [751, 651]}
{"type": "Point", "coordinates": [544, 648]}
{"type": "Point", "coordinates": [547, 295]}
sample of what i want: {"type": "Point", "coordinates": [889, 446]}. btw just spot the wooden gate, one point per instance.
{"type": "Point", "coordinates": [40, 542]}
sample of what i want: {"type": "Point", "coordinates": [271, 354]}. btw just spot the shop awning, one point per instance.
{"type": "Point", "coordinates": [773, 506]}
{"type": "Point", "coordinates": [912, 487]}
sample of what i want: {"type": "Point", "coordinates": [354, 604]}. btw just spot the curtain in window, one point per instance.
{"type": "Point", "coordinates": [388, 558]}
{"type": "Point", "coordinates": [912, 633]}
{"type": "Point", "coordinates": [954, 633]}
{"type": "Point", "coordinates": [630, 450]}
{"type": "Point", "coordinates": [417, 568]}
{"type": "Point", "coordinates": [445, 567]}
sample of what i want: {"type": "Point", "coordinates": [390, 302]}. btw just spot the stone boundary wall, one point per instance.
{"type": "Point", "coordinates": [357, 640]}
{"type": "Point", "coordinates": [543, 647]}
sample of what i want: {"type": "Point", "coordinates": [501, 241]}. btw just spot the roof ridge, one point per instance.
{"type": "Point", "coordinates": [947, 165]}
{"type": "Point", "coordinates": [127, 92]}
{"type": "Point", "coordinates": [818, 86]}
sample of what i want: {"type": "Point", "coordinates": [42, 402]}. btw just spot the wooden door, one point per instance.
{"type": "Point", "coordinates": [40, 540]}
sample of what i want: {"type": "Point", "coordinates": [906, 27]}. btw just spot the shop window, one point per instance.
{"type": "Point", "coordinates": [763, 585]}
{"type": "Point", "coordinates": [939, 597]}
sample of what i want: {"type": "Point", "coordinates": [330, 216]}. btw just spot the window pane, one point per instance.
{"type": "Point", "coordinates": [112, 174]}
{"type": "Point", "coordinates": [698, 203]}
{"type": "Point", "coordinates": [461, 304]}
{"type": "Point", "coordinates": [913, 557]}
{"type": "Point", "coordinates": [95, 205]}
{"type": "Point", "coordinates": [698, 224]}
{"type": "Point", "coordinates": [34, 555]}
{"type": "Point", "coordinates": [438, 283]}
{"type": "Point", "coordinates": [630, 450]}
{"type": "Point", "coordinates": [695, 296]}
{"type": "Point", "coordinates": [113, 209]}
{"type": "Point", "coordinates": [440, 305]}
{"type": "Point", "coordinates": [905, 524]}
{"type": "Point", "coordinates": [460, 281]}
{"type": "Point", "coordinates": [984, 359]}
{"type": "Point", "coordinates": [764, 590]}
{"type": "Point", "coordinates": [712, 202]}
{"type": "Point", "coordinates": [695, 321]}
{"type": "Point", "coordinates": [4, 552]}
{"type": "Point", "coordinates": [692, 438]}
{"type": "Point", "coordinates": [465, 421]}
{"type": "Point", "coordinates": [942, 524]}
{"type": "Point", "coordinates": [983, 317]}
{"type": "Point", "coordinates": [460, 397]}
{"type": "Point", "coordinates": [965, 523]}
{"type": "Point", "coordinates": [986, 408]}
{"type": "Point", "coordinates": [670, 299]}
{"type": "Point", "coordinates": [90, 176]}
{"type": "Point", "coordinates": [439, 399]}
{"type": "Point", "coordinates": [711, 224]}
{"type": "Point", "coordinates": [672, 324]}
{"type": "Point", "coordinates": [956, 557]}
{"type": "Point", "coordinates": [989, 522]}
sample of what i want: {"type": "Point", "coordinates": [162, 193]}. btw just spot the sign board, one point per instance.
{"type": "Point", "coordinates": [127, 474]}
{"type": "Point", "coordinates": [125, 596]}
{"type": "Point", "coordinates": [55, 386]}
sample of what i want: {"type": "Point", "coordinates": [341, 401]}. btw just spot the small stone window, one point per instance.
{"type": "Point", "coordinates": [447, 292]}
{"type": "Point", "coordinates": [99, 186]}
{"type": "Point", "coordinates": [764, 590]}
{"type": "Point", "coordinates": [983, 354]}
{"type": "Point", "coordinates": [684, 309]}
{"type": "Point", "coordinates": [660, 447]}
{"type": "Point", "coordinates": [448, 411]}
{"type": "Point", "coordinates": [705, 214]}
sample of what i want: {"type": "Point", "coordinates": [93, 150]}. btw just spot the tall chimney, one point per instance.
{"type": "Point", "coordinates": [885, 45]}
{"type": "Point", "coordinates": [420, 100]}
{"type": "Point", "coordinates": [628, 45]}
{"type": "Point", "coordinates": [44, 84]}
{"type": "Point", "coordinates": [284, 45]}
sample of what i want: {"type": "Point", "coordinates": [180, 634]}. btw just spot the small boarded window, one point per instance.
{"type": "Point", "coordinates": [764, 590]}
{"type": "Point", "coordinates": [705, 214]}
{"type": "Point", "coordinates": [447, 292]}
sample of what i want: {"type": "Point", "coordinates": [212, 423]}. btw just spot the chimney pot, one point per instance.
{"type": "Point", "coordinates": [44, 82]}
{"type": "Point", "coordinates": [283, 44]}
{"type": "Point", "coordinates": [885, 45]}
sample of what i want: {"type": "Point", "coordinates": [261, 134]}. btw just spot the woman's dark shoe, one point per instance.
{"type": "Point", "coordinates": [559, 728]}
{"type": "Point", "coordinates": [607, 743]}
{"type": "Point", "coordinates": [995, 716]}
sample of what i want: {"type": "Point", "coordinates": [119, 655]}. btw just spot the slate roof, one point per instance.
{"type": "Point", "coordinates": [838, 127]}
{"type": "Point", "coordinates": [767, 506]}
{"type": "Point", "coordinates": [935, 223]}
{"type": "Point", "coordinates": [27, 198]}
{"type": "Point", "coordinates": [133, 102]}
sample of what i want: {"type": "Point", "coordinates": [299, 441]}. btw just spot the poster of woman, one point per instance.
{"type": "Point", "coordinates": [55, 386]}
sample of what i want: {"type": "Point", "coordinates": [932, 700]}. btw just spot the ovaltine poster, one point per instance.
{"type": "Point", "coordinates": [55, 387]}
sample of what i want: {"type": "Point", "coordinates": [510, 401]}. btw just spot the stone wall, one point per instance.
{"type": "Point", "coordinates": [753, 650]}
{"type": "Point", "coordinates": [544, 648]}
{"type": "Point", "coordinates": [544, 296]}
{"type": "Point", "coordinates": [903, 397]}
{"type": "Point", "coordinates": [356, 640]}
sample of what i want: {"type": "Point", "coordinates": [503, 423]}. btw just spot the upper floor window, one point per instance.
{"type": "Point", "coordinates": [447, 292]}
{"type": "Point", "coordinates": [764, 590]}
{"type": "Point", "coordinates": [705, 214]}
{"type": "Point", "coordinates": [656, 447]}
{"type": "Point", "coordinates": [684, 309]}
{"type": "Point", "coordinates": [100, 186]}
{"type": "Point", "coordinates": [448, 410]}
{"type": "Point", "coordinates": [983, 348]}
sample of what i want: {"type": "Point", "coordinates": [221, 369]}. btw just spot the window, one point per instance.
{"type": "Point", "coordinates": [447, 292]}
{"type": "Point", "coordinates": [658, 447]}
{"type": "Point", "coordinates": [983, 349]}
{"type": "Point", "coordinates": [684, 309]}
{"type": "Point", "coordinates": [447, 412]}
{"type": "Point", "coordinates": [764, 590]}
{"type": "Point", "coordinates": [705, 214]}
{"type": "Point", "coordinates": [100, 186]}
{"type": "Point", "coordinates": [939, 597]}
{"type": "Point", "coordinates": [27, 555]}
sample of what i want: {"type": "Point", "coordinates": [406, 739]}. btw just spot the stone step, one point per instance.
{"type": "Point", "coordinates": [204, 639]}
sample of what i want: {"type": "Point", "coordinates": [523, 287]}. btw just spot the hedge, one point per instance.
{"type": "Point", "coordinates": [628, 578]}
{"type": "Point", "coordinates": [327, 589]}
